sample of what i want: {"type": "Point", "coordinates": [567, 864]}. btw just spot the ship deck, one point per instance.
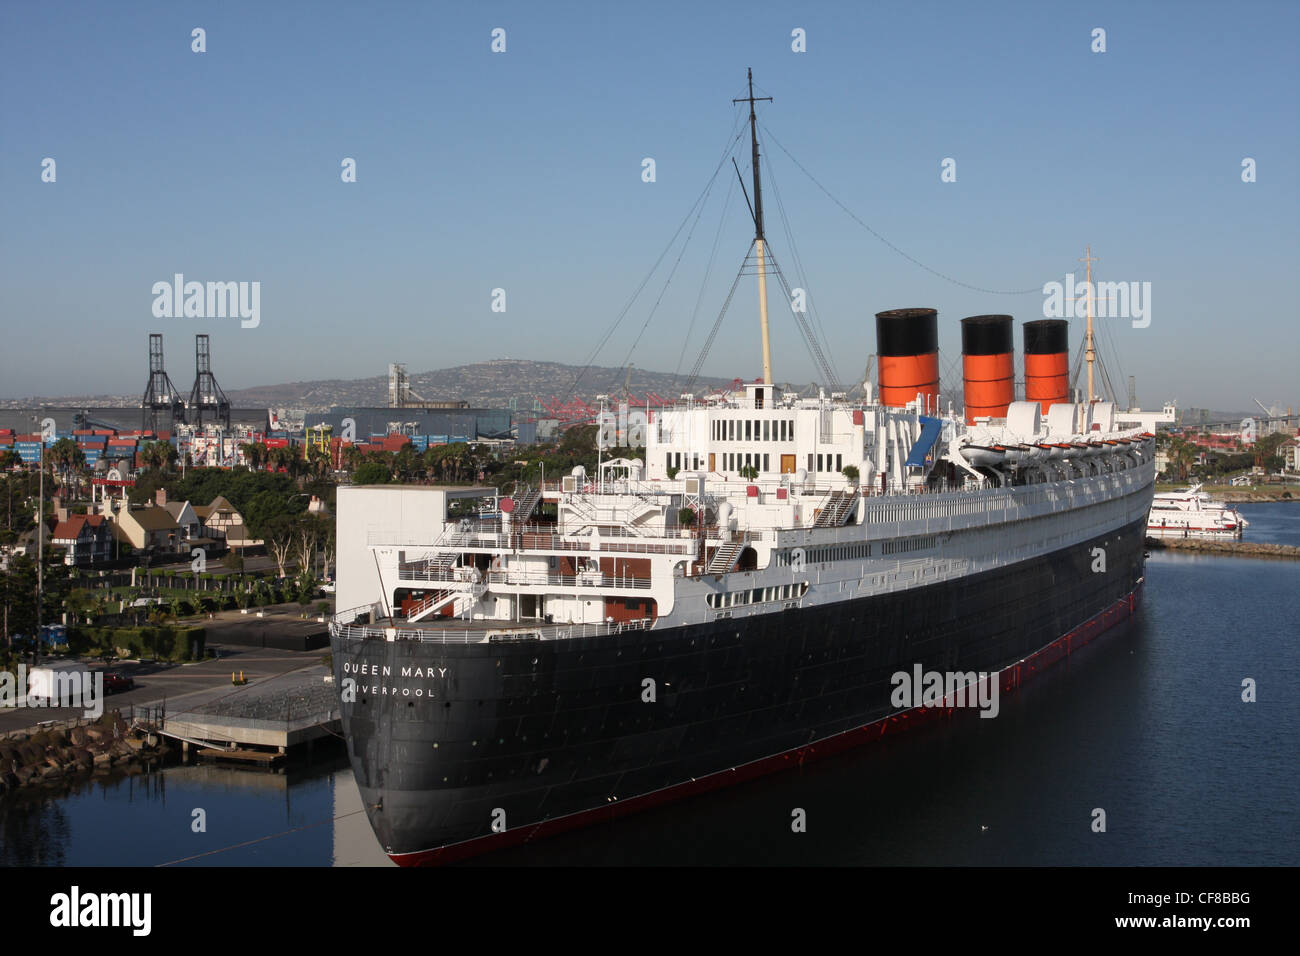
{"type": "Point", "coordinates": [453, 630]}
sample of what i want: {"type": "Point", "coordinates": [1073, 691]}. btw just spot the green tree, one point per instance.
{"type": "Point", "coordinates": [279, 533]}
{"type": "Point", "coordinates": [66, 457]}
{"type": "Point", "coordinates": [158, 455]}
{"type": "Point", "coordinates": [254, 454]}
{"type": "Point", "coordinates": [370, 473]}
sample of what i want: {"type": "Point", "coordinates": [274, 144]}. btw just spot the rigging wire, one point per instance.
{"type": "Point", "coordinates": [668, 281]}
{"type": "Point", "coordinates": [604, 339]}
{"type": "Point", "coordinates": [801, 273]}
{"type": "Point", "coordinates": [912, 259]}
{"type": "Point", "coordinates": [1119, 367]}
{"type": "Point", "coordinates": [708, 272]}
{"type": "Point", "coordinates": [806, 331]}
{"type": "Point", "coordinates": [717, 324]}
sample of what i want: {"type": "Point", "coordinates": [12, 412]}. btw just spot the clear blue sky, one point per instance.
{"type": "Point", "coordinates": [522, 171]}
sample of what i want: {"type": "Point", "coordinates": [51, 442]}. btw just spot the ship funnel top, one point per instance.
{"type": "Point", "coordinates": [907, 345]}
{"type": "Point", "coordinates": [988, 366]}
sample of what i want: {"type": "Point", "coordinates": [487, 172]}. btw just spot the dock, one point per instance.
{"type": "Point", "coordinates": [1243, 549]}
{"type": "Point", "coordinates": [259, 723]}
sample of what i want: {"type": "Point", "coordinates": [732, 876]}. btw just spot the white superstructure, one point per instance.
{"type": "Point", "coordinates": [633, 547]}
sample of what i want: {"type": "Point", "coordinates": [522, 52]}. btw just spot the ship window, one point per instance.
{"type": "Point", "coordinates": [748, 437]}
{"type": "Point", "coordinates": [731, 430]}
{"type": "Point", "coordinates": [747, 461]}
{"type": "Point", "coordinates": [767, 427]}
{"type": "Point", "coordinates": [839, 462]}
{"type": "Point", "coordinates": [819, 462]}
{"type": "Point", "coordinates": [765, 464]}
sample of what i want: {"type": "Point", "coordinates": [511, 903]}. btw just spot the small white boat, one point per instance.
{"type": "Point", "coordinates": [1193, 514]}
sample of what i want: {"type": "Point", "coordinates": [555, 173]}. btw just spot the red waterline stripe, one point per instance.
{"type": "Point", "coordinates": [1011, 677]}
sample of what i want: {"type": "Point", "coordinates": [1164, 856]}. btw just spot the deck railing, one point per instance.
{"type": "Point", "coordinates": [341, 627]}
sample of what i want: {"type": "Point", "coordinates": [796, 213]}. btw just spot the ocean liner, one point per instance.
{"type": "Point", "coordinates": [738, 599]}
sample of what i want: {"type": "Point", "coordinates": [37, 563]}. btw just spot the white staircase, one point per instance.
{"type": "Point", "coordinates": [836, 509]}
{"type": "Point", "coordinates": [449, 551]}
{"type": "Point", "coordinates": [525, 504]}
{"type": "Point", "coordinates": [724, 559]}
{"type": "Point", "coordinates": [436, 601]}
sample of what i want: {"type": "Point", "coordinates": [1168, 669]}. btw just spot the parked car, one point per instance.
{"type": "Point", "coordinates": [115, 682]}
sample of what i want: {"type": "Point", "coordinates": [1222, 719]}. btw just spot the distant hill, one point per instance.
{"type": "Point", "coordinates": [484, 384]}
{"type": "Point", "coordinates": [491, 384]}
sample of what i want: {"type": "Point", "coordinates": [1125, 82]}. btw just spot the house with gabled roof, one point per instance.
{"type": "Point", "coordinates": [150, 528]}
{"type": "Point", "coordinates": [221, 520]}
{"type": "Point", "coordinates": [87, 539]}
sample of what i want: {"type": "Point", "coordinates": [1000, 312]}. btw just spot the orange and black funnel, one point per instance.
{"type": "Point", "coordinates": [907, 344]}
{"type": "Point", "coordinates": [1047, 362]}
{"type": "Point", "coordinates": [988, 366]}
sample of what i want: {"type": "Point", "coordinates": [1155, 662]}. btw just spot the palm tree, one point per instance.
{"type": "Point", "coordinates": [295, 464]}
{"type": "Point", "coordinates": [254, 454]}
{"type": "Point", "coordinates": [318, 463]}
{"type": "Point", "coordinates": [66, 456]}
{"type": "Point", "coordinates": [352, 456]}
{"type": "Point", "coordinates": [157, 454]}
{"type": "Point", "coordinates": [278, 457]}
{"type": "Point", "coordinates": [404, 462]}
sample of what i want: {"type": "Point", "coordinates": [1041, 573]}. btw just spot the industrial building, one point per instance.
{"type": "Point", "coordinates": [439, 424]}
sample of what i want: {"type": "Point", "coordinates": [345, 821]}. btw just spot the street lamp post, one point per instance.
{"type": "Point", "coordinates": [40, 538]}
{"type": "Point", "coordinates": [40, 544]}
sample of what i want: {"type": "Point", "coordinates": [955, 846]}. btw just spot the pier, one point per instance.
{"type": "Point", "coordinates": [1242, 549]}
{"type": "Point", "coordinates": [259, 723]}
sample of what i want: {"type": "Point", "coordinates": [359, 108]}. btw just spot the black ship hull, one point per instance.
{"type": "Point", "coordinates": [462, 748]}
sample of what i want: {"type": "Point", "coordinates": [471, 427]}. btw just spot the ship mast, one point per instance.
{"type": "Point", "coordinates": [1089, 354]}
{"type": "Point", "coordinates": [758, 230]}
